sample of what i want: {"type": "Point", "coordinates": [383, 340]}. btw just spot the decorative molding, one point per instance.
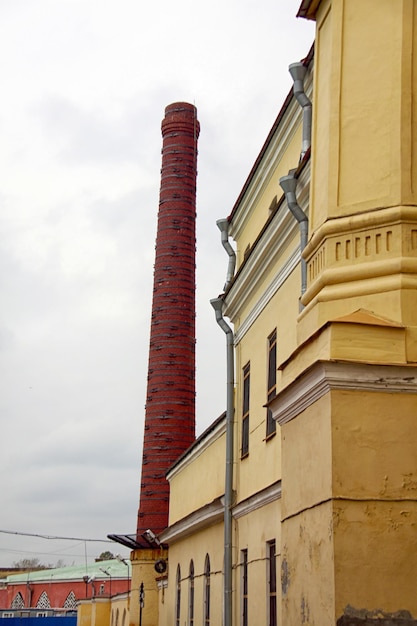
{"type": "Point", "coordinates": [258, 500]}
{"type": "Point", "coordinates": [325, 376]}
{"type": "Point", "coordinates": [275, 239]}
{"type": "Point", "coordinates": [202, 518]}
{"type": "Point", "coordinates": [267, 168]}
{"type": "Point", "coordinates": [269, 163]}
{"type": "Point", "coordinates": [291, 263]}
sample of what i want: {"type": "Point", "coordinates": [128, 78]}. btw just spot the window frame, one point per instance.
{"type": "Point", "coordinates": [206, 594]}
{"type": "Point", "coordinates": [244, 618]}
{"type": "Point", "coordinates": [245, 410]}
{"type": "Point", "coordinates": [271, 575]}
{"type": "Point", "coordinates": [271, 425]}
{"type": "Point", "coordinates": [191, 594]}
{"type": "Point", "coordinates": [178, 596]}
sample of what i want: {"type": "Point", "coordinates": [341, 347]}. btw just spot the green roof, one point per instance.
{"type": "Point", "coordinates": [116, 569]}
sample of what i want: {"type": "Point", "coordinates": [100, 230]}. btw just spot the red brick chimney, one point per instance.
{"type": "Point", "coordinates": [170, 400]}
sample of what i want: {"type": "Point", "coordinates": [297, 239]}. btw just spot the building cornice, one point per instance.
{"type": "Point", "coordinates": [308, 9]}
{"type": "Point", "coordinates": [266, 169]}
{"type": "Point", "coordinates": [326, 376]}
{"type": "Point", "coordinates": [258, 500]}
{"type": "Point", "coordinates": [214, 512]}
{"type": "Point", "coordinates": [201, 444]}
{"type": "Point", "coordinates": [267, 166]}
{"type": "Point", "coordinates": [275, 238]}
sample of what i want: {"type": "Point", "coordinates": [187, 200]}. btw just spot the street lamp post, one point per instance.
{"type": "Point", "coordinates": [107, 574]}
{"type": "Point", "coordinates": [122, 560]}
{"type": "Point", "coordinates": [141, 602]}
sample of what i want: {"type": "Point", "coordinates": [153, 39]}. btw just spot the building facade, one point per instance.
{"type": "Point", "coordinates": [322, 306]}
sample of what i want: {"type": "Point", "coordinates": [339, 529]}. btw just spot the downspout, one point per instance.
{"type": "Point", "coordinates": [298, 72]}
{"type": "Point", "coordinates": [223, 225]}
{"type": "Point", "coordinates": [289, 184]}
{"type": "Point", "coordinates": [217, 304]}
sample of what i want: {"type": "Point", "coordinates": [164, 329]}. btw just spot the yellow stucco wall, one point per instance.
{"type": "Point", "coordinates": [84, 611]}
{"type": "Point", "coordinates": [100, 614]}
{"type": "Point", "coordinates": [253, 531]}
{"type": "Point", "coordinates": [120, 615]}
{"type": "Point", "coordinates": [195, 547]}
{"type": "Point", "coordinates": [189, 486]}
{"type": "Point", "coordinates": [349, 506]}
{"type": "Point", "coordinates": [307, 574]}
{"type": "Point", "coordinates": [143, 571]}
{"type": "Point", "coordinates": [279, 314]}
{"type": "Point", "coordinates": [363, 247]}
{"type": "Point", "coordinates": [376, 508]}
{"type": "Point", "coordinates": [363, 132]}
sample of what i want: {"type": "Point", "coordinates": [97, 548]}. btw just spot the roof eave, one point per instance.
{"type": "Point", "coordinates": [308, 9]}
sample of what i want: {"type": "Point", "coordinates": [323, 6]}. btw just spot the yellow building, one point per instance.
{"type": "Point", "coordinates": [322, 308]}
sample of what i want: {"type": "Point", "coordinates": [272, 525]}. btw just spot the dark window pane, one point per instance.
{"type": "Point", "coordinates": [245, 436]}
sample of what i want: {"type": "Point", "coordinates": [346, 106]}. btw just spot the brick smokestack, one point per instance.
{"type": "Point", "coordinates": [170, 399]}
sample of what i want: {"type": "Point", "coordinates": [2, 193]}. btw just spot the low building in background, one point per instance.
{"type": "Point", "coordinates": [61, 592]}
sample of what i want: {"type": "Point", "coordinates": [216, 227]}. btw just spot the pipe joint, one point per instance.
{"type": "Point", "coordinates": [223, 225]}
{"type": "Point", "coordinates": [289, 184]}
{"type": "Point", "coordinates": [298, 72]}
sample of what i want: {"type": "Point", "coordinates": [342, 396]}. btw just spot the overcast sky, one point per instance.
{"type": "Point", "coordinates": [84, 84]}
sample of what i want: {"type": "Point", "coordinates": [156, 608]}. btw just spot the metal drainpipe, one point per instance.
{"type": "Point", "coordinates": [289, 184]}
{"type": "Point", "coordinates": [217, 304]}
{"type": "Point", "coordinates": [298, 72]}
{"type": "Point", "coordinates": [223, 225]}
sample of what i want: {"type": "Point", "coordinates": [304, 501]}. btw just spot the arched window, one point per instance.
{"type": "Point", "coordinates": [191, 595]}
{"type": "Point", "coordinates": [18, 602]}
{"type": "Point", "coordinates": [43, 602]}
{"type": "Point", "coordinates": [124, 618]}
{"type": "Point", "coordinates": [117, 617]}
{"type": "Point", "coordinates": [206, 621]}
{"type": "Point", "coordinates": [71, 601]}
{"type": "Point", "coordinates": [178, 597]}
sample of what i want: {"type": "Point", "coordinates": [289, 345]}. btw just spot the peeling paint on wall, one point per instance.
{"type": "Point", "coordinates": [285, 576]}
{"type": "Point", "coordinates": [362, 617]}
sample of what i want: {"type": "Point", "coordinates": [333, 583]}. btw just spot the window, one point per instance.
{"type": "Point", "coordinates": [18, 602]}
{"type": "Point", "coordinates": [272, 583]}
{"type": "Point", "coordinates": [71, 601]}
{"type": "Point", "coordinates": [244, 587]}
{"type": "Point", "coordinates": [178, 598]}
{"type": "Point", "coordinates": [43, 602]}
{"type": "Point", "coordinates": [207, 591]}
{"type": "Point", "coordinates": [245, 410]}
{"type": "Point", "coordinates": [191, 595]}
{"type": "Point", "coordinates": [272, 381]}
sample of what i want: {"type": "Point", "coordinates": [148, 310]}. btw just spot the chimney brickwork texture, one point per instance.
{"type": "Point", "coordinates": [170, 400]}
